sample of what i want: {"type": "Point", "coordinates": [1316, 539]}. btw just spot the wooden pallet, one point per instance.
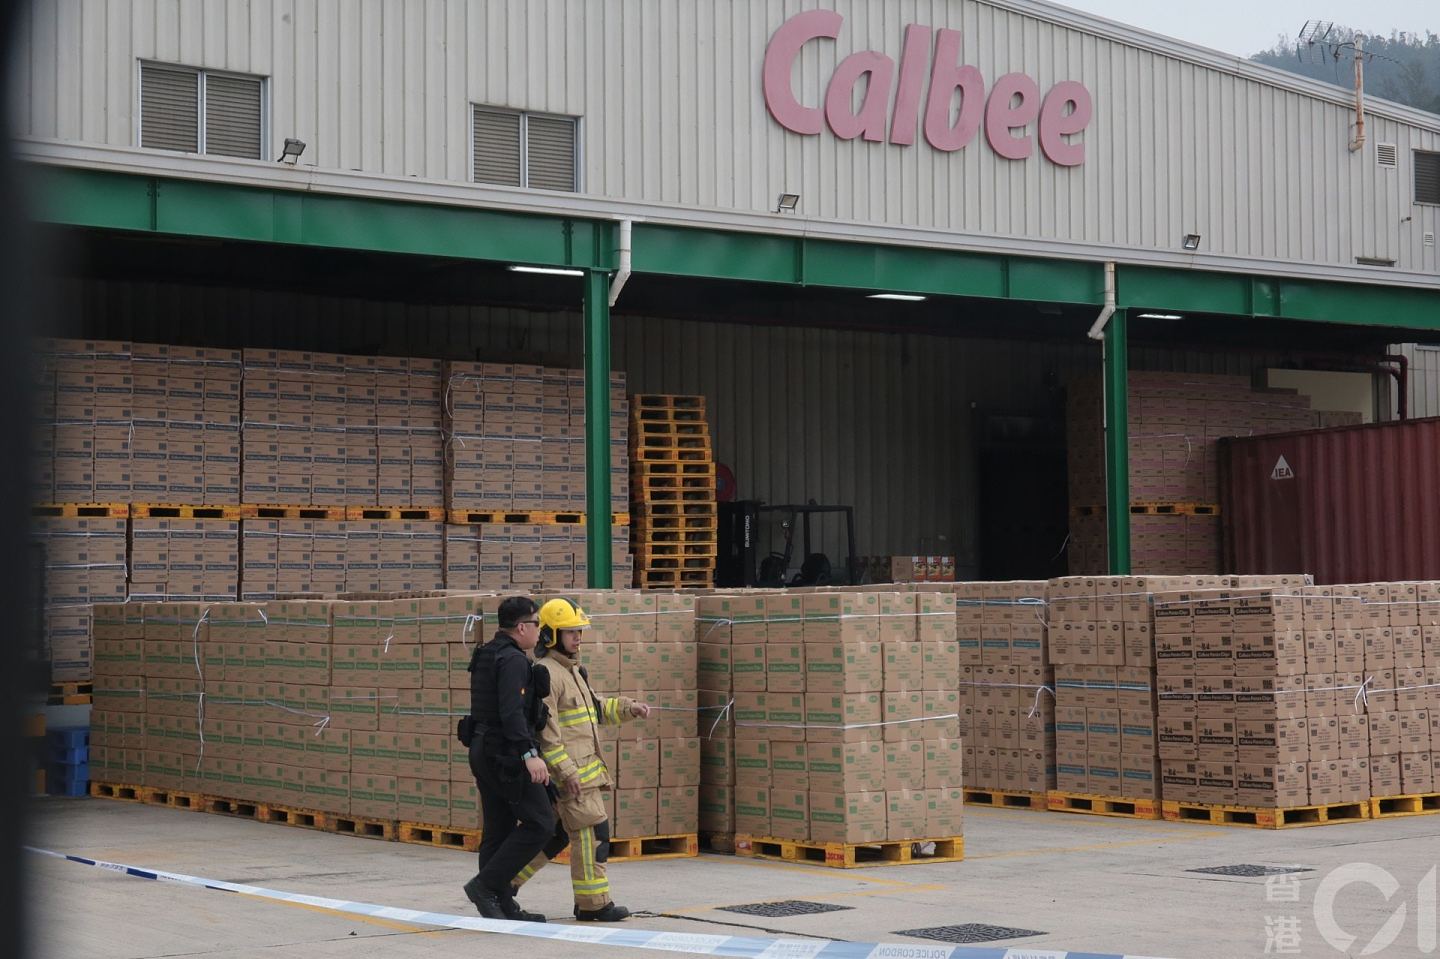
{"type": "Point", "coordinates": [669, 429]}
{"type": "Point", "coordinates": [676, 494]}
{"type": "Point", "coordinates": [678, 846]}
{"type": "Point", "coordinates": [268, 511]}
{"type": "Point", "coordinates": [1103, 805]}
{"type": "Point", "coordinates": [647, 551]}
{"type": "Point", "coordinates": [671, 578]}
{"type": "Point", "coordinates": [1174, 509]}
{"type": "Point", "coordinates": [385, 829]}
{"type": "Point", "coordinates": [420, 834]}
{"type": "Point", "coordinates": [642, 488]}
{"type": "Point", "coordinates": [666, 415]}
{"type": "Point", "coordinates": [656, 454]}
{"type": "Point", "coordinates": [70, 694]}
{"type": "Point", "coordinates": [666, 401]}
{"type": "Point", "coordinates": [81, 510]}
{"type": "Point", "coordinates": [670, 441]}
{"type": "Point", "coordinates": [118, 791]}
{"type": "Point", "coordinates": [678, 537]}
{"type": "Point", "coordinates": [173, 798]}
{"type": "Point", "coordinates": [849, 855]}
{"type": "Point", "coordinates": [222, 806]}
{"type": "Point", "coordinates": [177, 511]}
{"type": "Point", "coordinates": [1257, 817]}
{"type": "Point", "coordinates": [1394, 807]}
{"type": "Point", "coordinates": [470, 517]}
{"type": "Point", "coordinates": [286, 815]}
{"type": "Point", "coordinates": [673, 564]}
{"type": "Point", "coordinates": [651, 471]}
{"type": "Point", "coordinates": [416, 514]}
{"type": "Point", "coordinates": [1004, 799]}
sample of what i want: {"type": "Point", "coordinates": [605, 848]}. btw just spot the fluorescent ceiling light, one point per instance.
{"type": "Point", "coordinates": [903, 297]}
{"type": "Point", "coordinates": [547, 270]}
{"type": "Point", "coordinates": [1161, 316]}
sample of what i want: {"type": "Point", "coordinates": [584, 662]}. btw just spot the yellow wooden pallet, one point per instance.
{"type": "Point", "coordinates": [282, 511]}
{"type": "Point", "coordinates": [414, 514]}
{"type": "Point", "coordinates": [81, 510]}
{"type": "Point", "coordinates": [421, 834]}
{"type": "Point", "coordinates": [1260, 817]}
{"type": "Point", "coordinates": [1006, 799]}
{"type": "Point", "coordinates": [1116, 806]}
{"type": "Point", "coordinates": [1393, 807]}
{"type": "Point", "coordinates": [849, 855]}
{"type": "Point", "coordinates": [180, 511]}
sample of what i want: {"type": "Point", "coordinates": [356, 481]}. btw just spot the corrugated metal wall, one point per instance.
{"type": "Point", "coordinates": [883, 422]}
{"type": "Point", "coordinates": [673, 113]}
{"type": "Point", "coordinates": [1424, 378]}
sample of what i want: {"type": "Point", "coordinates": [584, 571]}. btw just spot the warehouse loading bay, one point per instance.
{"type": "Point", "coordinates": [947, 427]}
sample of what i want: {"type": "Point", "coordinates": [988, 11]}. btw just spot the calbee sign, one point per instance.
{"type": "Point", "coordinates": [1013, 108]}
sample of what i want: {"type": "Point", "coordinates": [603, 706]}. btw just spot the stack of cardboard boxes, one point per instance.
{"type": "Point", "coordinates": [1006, 683]}
{"type": "Point", "coordinates": [348, 706]}
{"type": "Point", "coordinates": [333, 430]}
{"type": "Point", "coordinates": [85, 410]}
{"type": "Point", "coordinates": [84, 563]}
{"type": "Point", "coordinates": [499, 556]}
{"type": "Point", "coordinates": [282, 557]}
{"type": "Point", "coordinates": [1257, 698]}
{"type": "Point", "coordinates": [909, 569]}
{"type": "Point", "coordinates": [1102, 645]}
{"type": "Point", "coordinates": [195, 559]}
{"type": "Point", "coordinates": [1175, 423]}
{"type": "Point", "coordinates": [186, 444]}
{"type": "Point", "coordinates": [515, 438]}
{"type": "Point", "coordinates": [837, 737]}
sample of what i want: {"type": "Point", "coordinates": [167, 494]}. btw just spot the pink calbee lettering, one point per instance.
{"type": "Point", "coordinates": [1013, 107]}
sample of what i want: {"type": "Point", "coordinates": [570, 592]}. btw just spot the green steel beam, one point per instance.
{"type": "Point", "coordinates": [1117, 443]}
{"type": "Point", "coordinates": [597, 429]}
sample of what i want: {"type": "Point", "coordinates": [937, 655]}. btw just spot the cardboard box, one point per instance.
{"type": "Point", "coordinates": [846, 767]}
{"type": "Point", "coordinates": [680, 762]}
{"type": "Point", "coordinates": [850, 817]}
{"type": "Point", "coordinates": [636, 812]}
{"type": "Point", "coordinates": [944, 765]}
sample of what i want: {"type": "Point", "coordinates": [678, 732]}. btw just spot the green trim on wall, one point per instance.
{"type": "Point", "coordinates": [105, 200]}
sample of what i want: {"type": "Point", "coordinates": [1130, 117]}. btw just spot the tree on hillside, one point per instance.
{"type": "Point", "coordinates": [1405, 67]}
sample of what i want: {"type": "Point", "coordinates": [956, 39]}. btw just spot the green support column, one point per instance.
{"type": "Point", "coordinates": [1117, 443]}
{"type": "Point", "coordinates": [597, 429]}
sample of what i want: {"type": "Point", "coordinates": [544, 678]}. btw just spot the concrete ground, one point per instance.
{"type": "Point", "coordinates": [1085, 883]}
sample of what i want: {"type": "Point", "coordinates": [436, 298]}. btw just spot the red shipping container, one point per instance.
{"type": "Point", "coordinates": [1356, 504]}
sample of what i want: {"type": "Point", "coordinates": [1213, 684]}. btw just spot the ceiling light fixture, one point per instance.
{"type": "Point", "coordinates": [1161, 316]}
{"type": "Point", "coordinates": [547, 270]}
{"type": "Point", "coordinates": [902, 297]}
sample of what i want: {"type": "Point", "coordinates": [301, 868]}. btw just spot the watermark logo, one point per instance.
{"type": "Point", "coordinates": [1284, 934]}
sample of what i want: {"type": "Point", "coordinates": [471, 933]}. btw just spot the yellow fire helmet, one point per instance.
{"type": "Point", "coordinates": [560, 614]}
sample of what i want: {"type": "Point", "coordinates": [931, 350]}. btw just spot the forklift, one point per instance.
{"type": "Point", "coordinates": [739, 546]}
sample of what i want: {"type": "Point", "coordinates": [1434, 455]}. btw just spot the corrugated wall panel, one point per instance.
{"type": "Point", "coordinates": [884, 422]}
{"type": "Point", "coordinates": [1424, 378]}
{"type": "Point", "coordinates": [673, 113]}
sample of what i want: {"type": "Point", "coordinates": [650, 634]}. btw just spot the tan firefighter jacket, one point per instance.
{"type": "Point", "coordinates": [570, 741]}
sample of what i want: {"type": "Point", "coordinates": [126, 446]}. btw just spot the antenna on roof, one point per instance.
{"type": "Point", "coordinates": [1321, 40]}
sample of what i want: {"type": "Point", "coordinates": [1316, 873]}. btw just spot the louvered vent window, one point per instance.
{"type": "Point", "coordinates": [524, 149]}
{"type": "Point", "coordinates": [197, 111]}
{"type": "Point", "coordinates": [1427, 177]}
{"type": "Point", "coordinates": [1386, 155]}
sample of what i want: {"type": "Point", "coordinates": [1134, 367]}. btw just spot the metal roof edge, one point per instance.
{"type": "Point", "coordinates": [261, 174]}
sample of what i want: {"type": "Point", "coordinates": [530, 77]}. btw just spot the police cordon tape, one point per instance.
{"type": "Point", "coordinates": [745, 947]}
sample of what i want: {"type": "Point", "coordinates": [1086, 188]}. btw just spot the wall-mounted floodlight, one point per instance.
{"type": "Point", "coordinates": [292, 151]}
{"type": "Point", "coordinates": [547, 270]}
{"type": "Point", "coordinates": [1192, 241]}
{"type": "Point", "coordinates": [902, 297]}
{"type": "Point", "coordinates": [787, 203]}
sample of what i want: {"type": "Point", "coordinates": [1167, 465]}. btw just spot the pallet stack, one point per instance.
{"type": "Point", "coordinates": [340, 713]}
{"type": "Point", "coordinates": [673, 492]}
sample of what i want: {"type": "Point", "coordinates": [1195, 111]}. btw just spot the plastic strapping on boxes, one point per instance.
{"type": "Point", "coordinates": [740, 947]}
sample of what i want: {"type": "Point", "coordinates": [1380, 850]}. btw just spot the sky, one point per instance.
{"type": "Point", "coordinates": [1245, 27]}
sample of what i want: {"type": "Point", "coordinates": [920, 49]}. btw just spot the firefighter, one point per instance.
{"type": "Point", "coordinates": [506, 713]}
{"type": "Point", "coordinates": [570, 745]}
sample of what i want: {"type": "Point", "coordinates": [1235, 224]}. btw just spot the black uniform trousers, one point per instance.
{"type": "Point", "coordinates": [518, 820]}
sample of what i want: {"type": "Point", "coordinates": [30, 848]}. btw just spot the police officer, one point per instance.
{"type": "Point", "coordinates": [505, 709]}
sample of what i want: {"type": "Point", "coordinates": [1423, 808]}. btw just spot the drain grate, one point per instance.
{"type": "Point", "coordinates": [785, 907]}
{"type": "Point", "coordinates": [969, 932]}
{"type": "Point", "coordinates": [1248, 869]}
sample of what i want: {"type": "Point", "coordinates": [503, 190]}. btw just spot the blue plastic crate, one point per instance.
{"type": "Point", "coordinates": [68, 772]}
{"type": "Point", "coordinates": [69, 755]}
{"type": "Point", "coordinates": [69, 737]}
{"type": "Point", "coordinates": [70, 788]}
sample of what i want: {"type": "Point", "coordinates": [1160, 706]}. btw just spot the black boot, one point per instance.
{"type": "Point", "coordinates": [485, 900]}
{"type": "Point", "coordinates": [610, 913]}
{"type": "Point", "coordinates": [515, 912]}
